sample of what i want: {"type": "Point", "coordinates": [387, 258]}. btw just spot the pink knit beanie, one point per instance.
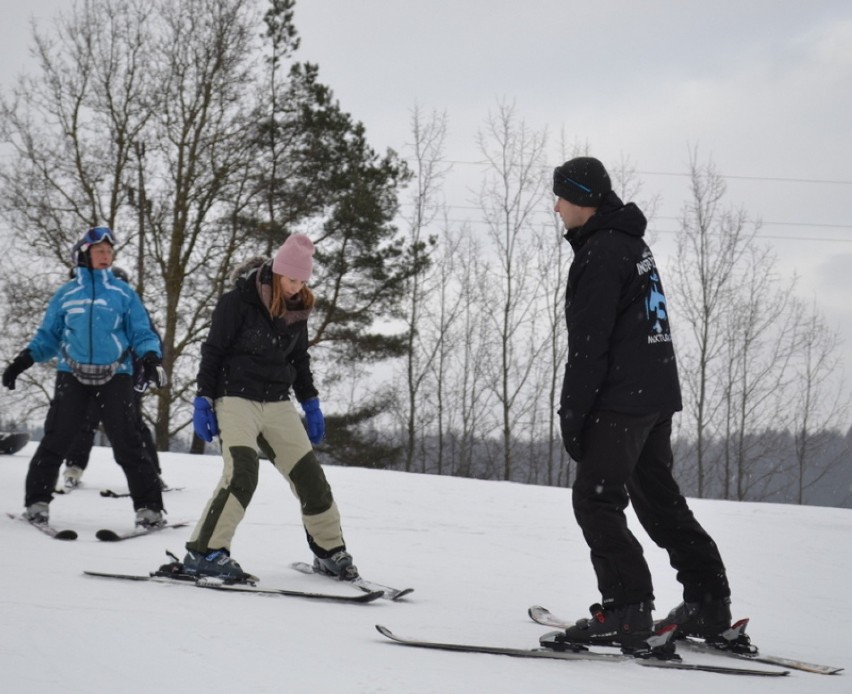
{"type": "Point", "coordinates": [294, 258]}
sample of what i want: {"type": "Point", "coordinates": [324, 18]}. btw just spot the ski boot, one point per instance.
{"type": "Point", "coordinates": [215, 563]}
{"type": "Point", "coordinates": [71, 477]}
{"type": "Point", "coordinates": [38, 513]}
{"type": "Point", "coordinates": [702, 620]}
{"type": "Point", "coordinates": [148, 518]}
{"type": "Point", "coordinates": [629, 627]}
{"type": "Point", "coordinates": [339, 565]}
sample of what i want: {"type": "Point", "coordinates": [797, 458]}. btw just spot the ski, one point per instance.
{"type": "Point", "coordinates": [542, 615]}
{"type": "Point", "coordinates": [110, 494]}
{"type": "Point", "coordinates": [577, 655]}
{"type": "Point", "coordinates": [107, 535]}
{"type": "Point", "coordinates": [217, 584]}
{"type": "Point", "coordinates": [362, 584]}
{"type": "Point", "coordinates": [792, 663]}
{"type": "Point", "coordinates": [46, 528]}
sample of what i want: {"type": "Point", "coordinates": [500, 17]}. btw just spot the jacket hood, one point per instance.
{"type": "Point", "coordinates": [243, 270]}
{"type": "Point", "coordinates": [613, 214]}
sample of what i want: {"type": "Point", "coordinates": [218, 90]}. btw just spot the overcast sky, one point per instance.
{"type": "Point", "coordinates": [763, 87]}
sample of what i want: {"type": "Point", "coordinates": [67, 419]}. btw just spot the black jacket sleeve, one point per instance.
{"type": "Point", "coordinates": [595, 284]}
{"type": "Point", "coordinates": [303, 384]}
{"type": "Point", "coordinates": [224, 326]}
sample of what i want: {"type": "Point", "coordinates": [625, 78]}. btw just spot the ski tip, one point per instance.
{"type": "Point", "coordinates": [66, 535]}
{"type": "Point", "coordinates": [106, 535]}
{"type": "Point", "coordinates": [384, 631]}
{"type": "Point", "coordinates": [400, 594]}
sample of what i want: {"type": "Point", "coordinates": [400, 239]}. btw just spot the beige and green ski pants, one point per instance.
{"type": "Point", "coordinates": [276, 429]}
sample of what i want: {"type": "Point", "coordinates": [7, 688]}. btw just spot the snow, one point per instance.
{"type": "Point", "coordinates": [477, 552]}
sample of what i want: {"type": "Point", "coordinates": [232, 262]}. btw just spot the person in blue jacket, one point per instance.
{"type": "Point", "coordinates": [92, 326]}
{"type": "Point", "coordinates": [77, 456]}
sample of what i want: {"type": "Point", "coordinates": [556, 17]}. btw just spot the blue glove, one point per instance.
{"type": "Point", "coordinates": [314, 420]}
{"type": "Point", "coordinates": [204, 419]}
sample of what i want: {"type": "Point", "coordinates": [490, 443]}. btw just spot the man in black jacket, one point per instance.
{"type": "Point", "coordinates": [619, 394]}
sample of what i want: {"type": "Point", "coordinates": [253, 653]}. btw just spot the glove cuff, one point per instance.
{"type": "Point", "coordinates": [311, 405]}
{"type": "Point", "coordinates": [152, 358]}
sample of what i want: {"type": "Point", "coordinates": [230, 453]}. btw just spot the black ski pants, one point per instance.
{"type": "Point", "coordinates": [81, 448]}
{"type": "Point", "coordinates": [66, 417]}
{"type": "Point", "coordinates": [628, 459]}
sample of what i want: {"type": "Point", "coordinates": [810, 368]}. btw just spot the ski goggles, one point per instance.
{"type": "Point", "coordinates": [97, 235]}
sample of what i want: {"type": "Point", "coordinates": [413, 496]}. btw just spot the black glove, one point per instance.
{"type": "Point", "coordinates": [570, 438]}
{"type": "Point", "coordinates": [155, 374]}
{"type": "Point", "coordinates": [18, 365]}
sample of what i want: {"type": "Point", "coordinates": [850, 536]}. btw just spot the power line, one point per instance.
{"type": "Point", "coordinates": [774, 179]}
{"type": "Point", "coordinates": [763, 222]}
{"type": "Point", "coordinates": [766, 237]}
{"type": "Point", "coordinates": [686, 174]}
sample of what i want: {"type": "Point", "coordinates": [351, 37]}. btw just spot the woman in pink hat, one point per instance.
{"type": "Point", "coordinates": [255, 355]}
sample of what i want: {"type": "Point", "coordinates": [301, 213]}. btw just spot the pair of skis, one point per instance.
{"type": "Point", "coordinates": [543, 616]}
{"type": "Point", "coordinates": [109, 493]}
{"type": "Point", "coordinates": [218, 584]}
{"type": "Point", "coordinates": [173, 573]}
{"type": "Point", "coordinates": [104, 535]}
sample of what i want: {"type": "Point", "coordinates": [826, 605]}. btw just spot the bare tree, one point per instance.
{"type": "Point", "coordinates": [466, 351]}
{"type": "Point", "coordinates": [510, 196]}
{"type": "Point", "coordinates": [552, 259]}
{"type": "Point", "coordinates": [755, 360]}
{"type": "Point", "coordinates": [710, 246]}
{"type": "Point", "coordinates": [69, 132]}
{"type": "Point", "coordinates": [135, 120]}
{"type": "Point", "coordinates": [203, 66]}
{"type": "Point", "coordinates": [818, 400]}
{"type": "Point", "coordinates": [441, 340]}
{"type": "Point", "coordinates": [762, 338]}
{"type": "Point", "coordinates": [427, 150]}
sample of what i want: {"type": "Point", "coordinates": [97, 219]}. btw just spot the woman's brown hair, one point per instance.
{"type": "Point", "coordinates": [277, 305]}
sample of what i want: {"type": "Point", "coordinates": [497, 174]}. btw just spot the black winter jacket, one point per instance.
{"type": "Point", "coordinates": [620, 352]}
{"type": "Point", "coordinates": [249, 354]}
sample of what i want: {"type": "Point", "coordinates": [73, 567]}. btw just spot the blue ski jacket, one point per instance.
{"type": "Point", "coordinates": [95, 319]}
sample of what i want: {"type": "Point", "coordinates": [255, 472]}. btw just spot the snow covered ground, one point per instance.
{"type": "Point", "coordinates": [478, 553]}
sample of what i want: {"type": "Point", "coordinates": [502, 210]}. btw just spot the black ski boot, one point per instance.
{"type": "Point", "coordinates": [707, 620]}
{"type": "Point", "coordinates": [629, 627]}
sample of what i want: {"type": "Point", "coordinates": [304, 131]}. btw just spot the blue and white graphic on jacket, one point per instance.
{"type": "Point", "coordinates": [655, 301]}
{"type": "Point", "coordinates": [94, 319]}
